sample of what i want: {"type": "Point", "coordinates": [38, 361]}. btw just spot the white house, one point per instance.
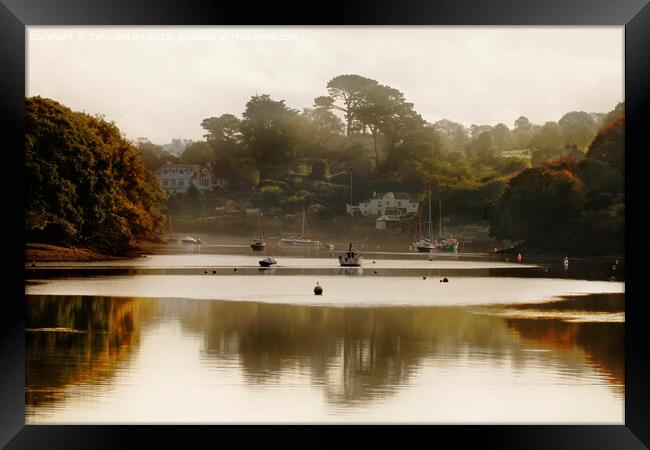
{"type": "Point", "coordinates": [398, 205]}
{"type": "Point", "coordinates": [524, 153]}
{"type": "Point", "coordinates": [177, 178]}
{"type": "Point", "coordinates": [387, 221]}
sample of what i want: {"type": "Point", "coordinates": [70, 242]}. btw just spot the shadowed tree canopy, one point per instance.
{"type": "Point", "coordinates": [538, 205]}
{"type": "Point", "coordinates": [197, 153]}
{"type": "Point", "coordinates": [85, 183]}
{"type": "Point", "coordinates": [578, 128]}
{"type": "Point", "coordinates": [225, 128]}
{"type": "Point", "coordinates": [609, 145]}
{"type": "Point", "coordinates": [346, 93]}
{"type": "Point", "coordinates": [153, 156]}
{"type": "Point", "coordinates": [269, 130]}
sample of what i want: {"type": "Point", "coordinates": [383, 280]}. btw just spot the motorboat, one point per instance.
{"type": "Point", "coordinates": [268, 261]}
{"type": "Point", "coordinates": [190, 240]}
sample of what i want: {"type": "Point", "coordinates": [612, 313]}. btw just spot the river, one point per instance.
{"type": "Point", "coordinates": [203, 335]}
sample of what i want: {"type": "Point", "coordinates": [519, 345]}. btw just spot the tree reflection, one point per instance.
{"type": "Point", "coordinates": [73, 339]}
{"type": "Point", "coordinates": [360, 354]}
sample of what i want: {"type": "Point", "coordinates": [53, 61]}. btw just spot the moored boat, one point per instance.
{"type": "Point", "coordinates": [425, 245]}
{"type": "Point", "coordinates": [268, 261]}
{"type": "Point", "coordinates": [302, 241]}
{"type": "Point", "coordinates": [350, 258]}
{"type": "Point", "coordinates": [444, 244]}
{"type": "Point", "coordinates": [259, 243]}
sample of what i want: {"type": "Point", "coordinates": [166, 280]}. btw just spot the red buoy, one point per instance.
{"type": "Point", "coordinates": [318, 290]}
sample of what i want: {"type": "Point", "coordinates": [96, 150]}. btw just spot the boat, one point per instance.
{"type": "Point", "coordinates": [268, 261]}
{"type": "Point", "coordinates": [302, 241]}
{"type": "Point", "coordinates": [444, 244]}
{"type": "Point", "coordinates": [330, 246]}
{"type": "Point", "coordinates": [351, 257]}
{"type": "Point", "coordinates": [426, 245]}
{"type": "Point", "coordinates": [259, 243]}
{"type": "Point", "coordinates": [191, 240]}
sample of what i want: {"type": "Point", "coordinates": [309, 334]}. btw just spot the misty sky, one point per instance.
{"type": "Point", "coordinates": [162, 82]}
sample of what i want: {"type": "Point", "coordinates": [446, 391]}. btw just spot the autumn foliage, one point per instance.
{"type": "Point", "coordinates": [85, 183]}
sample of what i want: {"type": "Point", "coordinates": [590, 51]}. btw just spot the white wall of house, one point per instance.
{"type": "Point", "coordinates": [385, 204]}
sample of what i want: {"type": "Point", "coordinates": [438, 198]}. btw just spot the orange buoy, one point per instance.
{"type": "Point", "coordinates": [318, 290]}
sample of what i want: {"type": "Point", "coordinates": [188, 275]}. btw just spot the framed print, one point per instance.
{"type": "Point", "coordinates": [382, 215]}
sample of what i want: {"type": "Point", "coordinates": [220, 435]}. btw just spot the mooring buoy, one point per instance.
{"type": "Point", "coordinates": [318, 290]}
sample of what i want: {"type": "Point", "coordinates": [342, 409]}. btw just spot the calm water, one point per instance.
{"type": "Point", "coordinates": [186, 338]}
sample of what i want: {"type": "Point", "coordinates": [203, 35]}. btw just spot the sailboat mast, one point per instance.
{"type": "Point", "coordinates": [440, 218]}
{"type": "Point", "coordinates": [351, 210]}
{"type": "Point", "coordinates": [430, 230]}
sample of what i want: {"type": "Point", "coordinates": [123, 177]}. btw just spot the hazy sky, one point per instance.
{"type": "Point", "coordinates": [162, 82]}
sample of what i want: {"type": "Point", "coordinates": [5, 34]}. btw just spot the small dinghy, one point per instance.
{"type": "Point", "coordinates": [190, 240]}
{"type": "Point", "coordinates": [268, 261]}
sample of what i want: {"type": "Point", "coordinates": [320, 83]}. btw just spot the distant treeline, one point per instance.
{"type": "Point", "coordinates": [281, 159]}
{"type": "Point", "coordinates": [85, 183]}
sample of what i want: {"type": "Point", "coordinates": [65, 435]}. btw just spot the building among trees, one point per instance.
{"type": "Point", "coordinates": [398, 205]}
{"type": "Point", "coordinates": [177, 178]}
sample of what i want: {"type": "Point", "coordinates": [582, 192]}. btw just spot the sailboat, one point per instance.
{"type": "Point", "coordinates": [350, 258]}
{"type": "Point", "coordinates": [444, 244]}
{"type": "Point", "coordinates": [426, 244]}
{"type": "Point", "coordinates": [259, 244]}
{"type": "Point", "coordinates": [302, 241]}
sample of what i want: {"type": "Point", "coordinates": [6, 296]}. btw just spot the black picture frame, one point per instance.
{"type": "Point", "coordinates": [15, 15]}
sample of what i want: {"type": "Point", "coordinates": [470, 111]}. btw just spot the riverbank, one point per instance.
{"type": "Point", "coordinates": [527, 248]}
{"type": "Point", "coordinates": [46, 252]}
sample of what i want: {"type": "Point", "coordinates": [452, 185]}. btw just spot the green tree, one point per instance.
{"type": "Point", "coordinates": [153, 156]}
{"type": "Point", "coordinates": [198, 153]}
{"type": "Point", "coordinates": [269, 131]}
{"type": "Point", "coordinates": [578, 127]}
{"type": "Point", "coordinates": [539, 205]}
{"type": "Point", "coordinates": [346, 93]}
{"type": "Point", "coordinates": [225, 128]}
{"type": "Point", "coordinates": [194, 201]}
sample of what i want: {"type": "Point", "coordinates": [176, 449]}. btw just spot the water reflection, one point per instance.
{"type": "Point", "coordinates": [71, 340]}
{"type": "Point", "coordinates": [354, 357]}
